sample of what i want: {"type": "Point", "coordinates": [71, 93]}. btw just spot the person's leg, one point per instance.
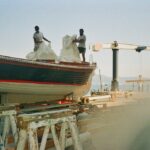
{"type": "Point", "coordinates": [83, 56]}
{"type": "Point", "coordinates": [36, 46]}
{"type": "Point", "coordinates": [82, 51]}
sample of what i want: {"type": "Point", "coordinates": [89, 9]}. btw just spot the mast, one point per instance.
{"type": "Point", "coordinates": [101, 86]}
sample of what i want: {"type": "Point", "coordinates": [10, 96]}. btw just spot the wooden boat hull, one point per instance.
{"type": "Point", "coordinates": [27, 81]}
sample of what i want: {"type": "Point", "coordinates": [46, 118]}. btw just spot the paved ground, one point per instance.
{"type": "Point", "coordinates": [126, 127]}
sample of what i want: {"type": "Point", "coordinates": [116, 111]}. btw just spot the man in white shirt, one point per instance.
{"type": "Point", "coordinates": [81, 46]}
{"type": "Point", "coordinates": [38, 38]}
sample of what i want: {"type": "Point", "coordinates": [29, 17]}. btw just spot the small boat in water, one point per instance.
{"type": "Point", "coordinates": [25, 81]}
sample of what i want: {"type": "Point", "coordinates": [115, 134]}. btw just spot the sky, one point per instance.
{"type": "Point", "coordinates": [127, 21]}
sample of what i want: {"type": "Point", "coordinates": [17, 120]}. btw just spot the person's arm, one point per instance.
{"type": "Point", "coordinates": [46, 39]}
{"type": "Point", "coordinates": [75, 40]}
{"type": "Point", "coordinates": [81, 40]}
{"type": "Point", "coordinates": [34, 38]}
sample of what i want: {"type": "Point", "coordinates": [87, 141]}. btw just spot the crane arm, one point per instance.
{"type": "Point", "coordinates": [138, 48]}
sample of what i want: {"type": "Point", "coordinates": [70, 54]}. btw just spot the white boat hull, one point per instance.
{"type": "Point", "coordinates": [28, 93]}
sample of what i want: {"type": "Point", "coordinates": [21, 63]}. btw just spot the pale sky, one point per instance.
{"type": "Point", "coordinates": [127, 21]}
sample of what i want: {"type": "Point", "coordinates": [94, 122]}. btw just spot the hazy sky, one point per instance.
{"type": "Point", "coordinates": [127, 21]}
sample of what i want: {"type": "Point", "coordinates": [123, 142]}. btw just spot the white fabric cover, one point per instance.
{"type": "Point", "coordinates": [69, 52]}
{"type": "Point", "coordinates": [44, 52]}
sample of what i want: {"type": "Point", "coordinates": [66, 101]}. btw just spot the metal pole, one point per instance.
{"type": "Point", "coordinates": [55, 138]}
{"type": "Point", "coordinates": [33, 139]}
{"type": "Point", "coordinates": [44, 138]}
{"type": "Point", "coordinates": [1, 143]}
{"type": "Point", "coordinates": [62, 138]}
{"type": "Point", "coordinates": [6, 129]}
{"type": "Point", "coordinates": [115, 83]}
{"type": "Point", "coordinates": [22, 139]}
{"type": "Point", "coordinates": [75, 135]}
{"type": "Point", "coordinates": [14, 128]}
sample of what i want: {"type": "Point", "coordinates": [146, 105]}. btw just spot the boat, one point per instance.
{"type": "Point", "coordinates": [26, 81]}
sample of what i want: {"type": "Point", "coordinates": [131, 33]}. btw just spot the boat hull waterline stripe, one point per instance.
{"type": "Point", "coordinates": [24, 81]}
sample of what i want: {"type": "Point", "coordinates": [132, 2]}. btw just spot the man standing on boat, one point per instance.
{"type": "Point", "coordinates": [81, 46]}
{"type": "Point", "coordinates": [38, 38]}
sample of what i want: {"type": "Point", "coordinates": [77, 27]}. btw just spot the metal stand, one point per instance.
{"type": "Point", "coordinates": [29, 124]}
{"type": "Point", "coordinates": [8, 123]}
{"type": "Point", "coordinates": [3, 98]}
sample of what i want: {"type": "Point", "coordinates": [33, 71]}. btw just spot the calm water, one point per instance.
{"type": "Point", "coordinates": [123, 87]}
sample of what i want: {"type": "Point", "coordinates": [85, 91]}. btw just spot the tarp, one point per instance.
{"type": "Point", "coordinates": [69, 52]}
